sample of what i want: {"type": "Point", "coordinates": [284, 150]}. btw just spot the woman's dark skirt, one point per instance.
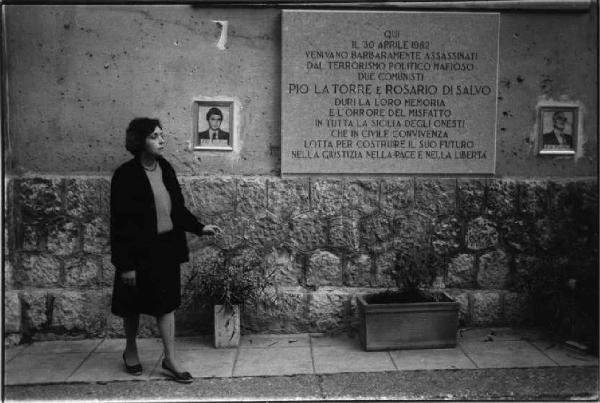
{"type": "Point", "coordinates": [158, 283]}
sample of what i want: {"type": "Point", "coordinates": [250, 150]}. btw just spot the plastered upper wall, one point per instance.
{"type": "Point", "coordinates": [78, 74]}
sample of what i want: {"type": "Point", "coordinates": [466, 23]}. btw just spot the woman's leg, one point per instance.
{"type": "Point", "coordinates": [166, 326]}
{"type": "Point", "coordinates": [131, 324]}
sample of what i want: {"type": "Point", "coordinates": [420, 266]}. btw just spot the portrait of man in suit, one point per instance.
{"type": "Point", "coordinates": [213, 135]}
{"type": "Point", "coordinates": [558, 136]}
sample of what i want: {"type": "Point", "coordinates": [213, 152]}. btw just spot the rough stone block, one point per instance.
{"type": "Point", "coordinates": [88, 198]}
{"type": "Point", "coordinates": [213, 195]}
{"type": "Point", "coordinates": [344, 232]}
{"type": "Point", "coordinates": [397, 195]}
{"type": "Point", "coordinates": [12, 312]}
{"type": "Point", "coordinates": [306, 232]}
{"type": "Point", "coordinates": [471, 196]}
{"type": "Point", "coordinates": [38, 270]}
{"type": "Point", "coordinates": [323, 268]}
{"type": "Point", "coordinates": [64, 238]}
{"type": "Point", "coordinates": [96, 236]}
{"type": "Point", "coordinates": [486, 308]}
{"type": "Point", "coordinates": [493, 270]}
{"type": "Point", "coordinates": [517, 234]}
{"type": "Point", "coordinates": [327, 197]}
{"type": "Point", "coordinates": [76, 311]}
{"type": "Point", "coordinates": [31, 237]}
{"type": "Point", "coordinates": [81, 271]}
{"type": "Point", "coordinates": [329, 310]}
{"type": "Point", "coordinates": [8, 273]}
{"type": "Point", "coordinates": [282, 310]}
{"type": "Point", "coordinates": [251, 195]}
{"type": "Point", "coordinates": [412, 228]}
{"type": "Point", "coordinates": [481, 234]}
{"type": "Point", "coordinates": [13, 339]}
{"type": "Point", "coordinates": [501, 197]}
{"type": "Point", "coordinates": [533, 198]}
{"type": "Point", "coordinates": [68, 310]}
{"type": "Point", "coordinates": [516, 308]}
{"type": "Point", "coordinates": [357, 271]}
{"type": "Point", "coordinates": [462, 297]}
{"type": "Point", "coordinates": [108, 271]}
{"type": "Point", "coordinates": [262, 230]}
{"type": "Point", "coordinates": [286, 269]}
{"type": "Point", "coordinates": [288, 197]}
{"type": "Point", "coordinates": [435, 196]}
{"type": "Point", "coordinates": [525, 266]}
{"type": "Point", "coordinates": [96, 311]}
{"type": "Point", "coordinates": [461, 271]}
{"type": "Point", "coordinates": [375, 230]}
{"type": "Point", "coordinates": [34, 308]}
{"type": "Point", "coordinates": [361, 195]}
{"type": "Point", "coordinates": [40, 198]}
{"type": "Point", "coordinates": [446, 236]}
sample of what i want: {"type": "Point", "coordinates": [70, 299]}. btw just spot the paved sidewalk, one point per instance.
{"type": "Point", "coordinates": [99, 360]}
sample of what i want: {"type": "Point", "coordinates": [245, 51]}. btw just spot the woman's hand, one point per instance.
{"type": "Point", "coordinates": [210, 230]}
{"type": "Point", "coordinates": [128, 278]}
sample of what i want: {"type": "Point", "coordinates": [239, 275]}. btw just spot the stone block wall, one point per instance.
{"type": "Point", "coordinates": [327, 240]}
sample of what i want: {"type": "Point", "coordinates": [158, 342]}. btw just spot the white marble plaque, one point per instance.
{"type": "Point", "coordinates": [389, 92]}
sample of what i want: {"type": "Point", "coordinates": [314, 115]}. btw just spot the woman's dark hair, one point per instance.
{"type": "Point", "coordinates": [214, 111]}
{"type": "Point", "coordinates": [136, 133]}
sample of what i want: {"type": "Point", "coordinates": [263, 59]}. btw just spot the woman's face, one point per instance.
{"type": "Point", "coordinates": [155, 142]}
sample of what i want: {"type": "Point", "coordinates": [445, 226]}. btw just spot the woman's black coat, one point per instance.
{"type": "Point", "coordinates": [133, 215]}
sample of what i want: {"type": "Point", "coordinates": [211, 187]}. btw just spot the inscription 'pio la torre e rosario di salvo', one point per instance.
{"type": "Point", "coordinates": [389, 93]}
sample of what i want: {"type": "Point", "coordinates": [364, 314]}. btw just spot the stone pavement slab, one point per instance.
{"type": "Point", "coordinates": [202, 363]}
{"type": "Point", "coordinates": [505, 354]}
{"type": "Point", "coordinates": [275, 340]}
{"type": "Point", "coordinates": [340, 340]}
{"type": "Point", "coordinates": [105, 367]}
{"type": "Point", "coordinates": [563, 355]}
{"type": "Point", "coordinates": [12, 352]}
{"type": "Point", "coordinates": [62, 346]}
{"type": "Point", "coordinates": [468, 335]}
{"type": "Point", "coordinates": [439, 358]}
{"type": "Point", "coordinates": [273, 361]}
{"type": "Point", "coordinates": [118, 345]}
{"type": "Point", "coordinates": [42, 368]}
{"type": "Point", "coordinates": [350, 358]}
{"type": "Point", "coordinates": [193, 343]}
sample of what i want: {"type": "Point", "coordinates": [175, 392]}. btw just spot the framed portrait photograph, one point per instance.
{"type": "Point", "coordinates": [213, 125]}
{"type": "Point", "coordinates": [558, 130]}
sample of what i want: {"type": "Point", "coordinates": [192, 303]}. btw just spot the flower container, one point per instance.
{"type": "Point", "coordinates": [227, 326]}
{"type": "Point", "coordinates": [408, 325]}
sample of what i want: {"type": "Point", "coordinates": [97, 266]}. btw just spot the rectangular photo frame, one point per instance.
{"type": "Point", "coordinates": [558, 129]}
{"type": "Point", "coordinates": [210, 132]}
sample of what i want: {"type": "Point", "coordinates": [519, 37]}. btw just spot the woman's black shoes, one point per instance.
{"type": "Point", "coordinates": [182, 377]}
{"type": "Point", "coordinates": [132, 369]}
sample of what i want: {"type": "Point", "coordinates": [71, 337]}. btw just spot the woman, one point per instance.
{"type": "Point", "coordinates": [148, 220]}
